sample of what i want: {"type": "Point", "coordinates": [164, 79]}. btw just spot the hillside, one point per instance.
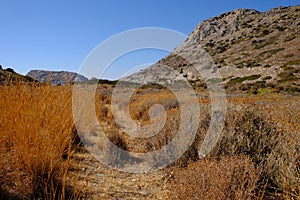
{"type": "Point", "coordinates": [253, 50]}
{"type": "Point", "coordinates": [7, 75]}
{"type": "Point", "coordinates": [56, 77]}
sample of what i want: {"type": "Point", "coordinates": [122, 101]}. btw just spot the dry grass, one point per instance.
{"type": "Point", "coordinates": [264, 128]}
{"type": "Point", "coordinates": [258, 156]}
{"type": "Point", "coordinates": [252, 130]}
{"type": "Point", "coordinates": [227, 178]}
{"type": "Point", "coordinates": [36, 133]}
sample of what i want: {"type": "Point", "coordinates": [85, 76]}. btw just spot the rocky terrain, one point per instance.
{"type": "Point", "coordinates": [56, 77]}
{"type": "Point", "coordinates": [8, 74]}
{"type": "Point", "coordinates": [253, 51]}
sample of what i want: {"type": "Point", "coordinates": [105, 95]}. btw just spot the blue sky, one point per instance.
{"type": "Point", "coordinates": [59, 35]}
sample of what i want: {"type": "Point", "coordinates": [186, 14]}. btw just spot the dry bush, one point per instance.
{"type": "Point", "coordinates": [251, 129]}
{"type": "Point", "coordinates": [227, 178]}
{"type": "Point", "coordinates": [36, 138]}
{"type": "Point", "coordinates": [141, 103]}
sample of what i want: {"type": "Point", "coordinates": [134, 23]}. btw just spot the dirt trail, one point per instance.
{"type": "Point", "coordinates": [101, 182]}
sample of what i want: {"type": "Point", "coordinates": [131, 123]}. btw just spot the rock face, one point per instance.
{"type": "Point", "coordinates": [249, 48]}
{"type": "Point", "coordinates": [56, 77]}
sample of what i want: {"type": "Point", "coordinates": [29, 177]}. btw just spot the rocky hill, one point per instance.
{"type": "Point", "coordinates": [254, 51]}
{"type": "Point", "coordinates": [56, 77]}
{"type": "Point", "coordinates": [9, 75]}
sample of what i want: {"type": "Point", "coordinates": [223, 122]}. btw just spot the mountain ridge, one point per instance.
{"type": "Point", "coordinates": [252, 50]}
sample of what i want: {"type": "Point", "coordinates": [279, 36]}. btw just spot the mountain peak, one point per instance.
{"type": "Point", "coordinates": [222, 25]}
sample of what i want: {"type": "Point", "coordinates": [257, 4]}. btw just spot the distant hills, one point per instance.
{"type": "Point", "coordinates": [254, 51]}
{"type": "Point", "coordinates": [56, 77]}
{"type": "Point", "coordinates": [42, 76]}
{"type": "Point", "coordinates": [9, 75]}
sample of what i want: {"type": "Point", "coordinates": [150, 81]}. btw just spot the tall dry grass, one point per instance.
{"type": "Point", "coordinates": [258, 156]}
{"type": "Point", "coordinates": [36, 141]}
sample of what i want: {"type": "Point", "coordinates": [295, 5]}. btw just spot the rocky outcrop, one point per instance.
{"type": "Point", "coordinates": [225, 24]}
{"type": "Point", "coordinates": [246, 46]}
{"type": "Point", "coordinates": [56, 77]}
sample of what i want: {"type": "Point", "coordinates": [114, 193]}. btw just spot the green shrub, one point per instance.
{"type": "Point", "coordinates": [293, 62]}
{"type": "Point", "coordinates": [279, 28]}
{"type": "Point", "coordinates": [289, 38]}
{"type": "Point", "coordinates": [266, 32]}
{"type": "Point", "coordinates": [287, 67]}
{"type": "Point", "coordinates": [267, 78]}
{"type": "Point", "coordinates": [242, 79]}
{"type": "Point", "coordinates": [263, 43]}
{"type": "Point", "coordinates": [294, 89]}
{"type": "Point", "coordinates": [289, 55]}
{"type": "Point", "coordinates": [253, 64]}
{"type": "Point", "coordinates": [286, 76]}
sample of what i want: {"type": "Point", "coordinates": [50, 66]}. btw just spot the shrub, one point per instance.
{"type": "Point", "coordinates": [289, 38]}
{"type": "Point", "coordinates": [242, 79]}
{"type": "Point", "coordinates": [279, 28]}
{"type": "Point", "coordinates": [253, 64]}
{"type": "Point", "coordinates": [222, 48]}
{"type": "Point", "coordinates": [10, 70]}
{"type": "Point", "coordinates": [289, 55]}
{"type": "Point", "coordinates": [263, 43]}
{"type": "Point", "coordinates": [253, 132]}
{"type": "Point", "coordinates": [293, 62]}
{"type": "Point", "coordinates": [228, 178]}
{"type": "Point", "coordinates": [287, 76]}
{"type": "Point", "coordinates": [210, 44]}
{"type": "Point", "coordinates": [267, 78]}
{"type": "Point", "coordinates": [266, 32]}
{"type": "Point", "coordinates": [271, 52]}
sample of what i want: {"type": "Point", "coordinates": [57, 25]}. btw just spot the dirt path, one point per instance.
{"type": "Point", "coordinates": [101, 182]}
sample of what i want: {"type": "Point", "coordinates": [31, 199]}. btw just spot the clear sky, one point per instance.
{"type": "Point", "coordinates": [59, 34]}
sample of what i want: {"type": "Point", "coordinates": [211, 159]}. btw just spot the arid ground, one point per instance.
{"type": "Point", "coordinates": [258, 156]}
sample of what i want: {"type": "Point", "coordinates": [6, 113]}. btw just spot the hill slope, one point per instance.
{"type": "Point", "coordinates": [252, 50]}
{"type": "Point", "coordinates": [7, 75]}
{"type": "Point", "coordinates": [56, 77]}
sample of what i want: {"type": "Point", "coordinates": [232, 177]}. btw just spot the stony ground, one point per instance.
{"type": "Point", "coordinates": [101, 182]}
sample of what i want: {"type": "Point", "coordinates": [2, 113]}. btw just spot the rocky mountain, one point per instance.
{"type": "Point", "coordinates": [252, 51]}
{"type": "Point", "coordinates": [56, 77]}
{"type": "Point", "coordinates": [7, 75]}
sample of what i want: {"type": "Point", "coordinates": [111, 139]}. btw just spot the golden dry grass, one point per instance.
{"type": "Point", "coordinates": [228, 178]}
{"type": "Point", "coordinates": [264, 128]}
{"type": "Point", "coordinates": [258, 156]}
{"type": "Point", "coordinates": [36, 133]}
